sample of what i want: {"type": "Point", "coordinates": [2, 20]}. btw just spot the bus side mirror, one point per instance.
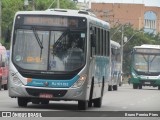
{"type": "Point", "coordinates": [7, 35]}
{"type": "Point", "coordinates": [93, 40]}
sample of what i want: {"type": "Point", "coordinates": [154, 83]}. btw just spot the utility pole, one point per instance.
{"type": "Point", "coordinates": [122, 52]}
{"type": "Point", "coordinates": [58, 5]}
{"type": "Point", "coordinates": [25, 4]}
{"type": "Point", "coordinates": [33, 5]}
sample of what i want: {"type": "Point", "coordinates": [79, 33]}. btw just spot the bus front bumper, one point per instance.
{"type": "Point", "coordinates": [52, 93]}
{"type": "Point", "coordinates": [145, 82]}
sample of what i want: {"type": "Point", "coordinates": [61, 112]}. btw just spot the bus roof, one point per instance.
{"type": "Point", "coordinates": [68, 12]}
{"type": "Point", "coordinates": [116, 44]}
{"type": "Point", "coordinates": [148, 46]}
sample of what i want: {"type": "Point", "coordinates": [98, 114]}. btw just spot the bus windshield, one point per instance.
{"type": "Point", "coordinates": [54, 50]}
{"type": "Point", "coordinates": [147, 63]}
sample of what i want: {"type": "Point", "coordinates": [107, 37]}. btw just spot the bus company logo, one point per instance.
{"type": "Point", "coordinates": [46, 84]}
{"type": "Point", "coordinates": [6, 114]}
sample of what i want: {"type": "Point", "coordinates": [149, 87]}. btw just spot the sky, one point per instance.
{"type": "Point", "coordinates": [146, 2]}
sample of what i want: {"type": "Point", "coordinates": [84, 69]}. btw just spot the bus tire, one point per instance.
{"type": "Point", "coordinates": [90, 103]}
{"type": "Point", "coordinates": [159, 87]}
{"type": "Point", "coordinates": [140, 86]}
{"type": "Point", "coordinates": [5, 87]}
{"type": "Point", "coordinates": [22, 102]}
{"type": "Point", "coordinates": [98, 102]}
{"type": "Point", "coordinates": [115, 87]}
{"type": "Point", "coordinates": [109, 87]}
{"type": "Point", "coordinates": [82, 104]}
{"type": "Point", "coordinates": [135, 86]}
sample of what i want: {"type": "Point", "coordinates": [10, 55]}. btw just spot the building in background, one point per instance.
{"type": "Point", "coordinates": [138, 15]}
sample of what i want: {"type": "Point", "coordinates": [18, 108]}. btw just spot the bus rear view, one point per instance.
{"type": "Point", "coordinates": [145, 70]}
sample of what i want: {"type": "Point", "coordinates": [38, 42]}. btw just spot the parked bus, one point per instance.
{"type": "Point", "coordinates": [115, 66]}
{"type": "Point", "coordinates": [59, 54]}
{"type": "Point", "coordinates": [145, 70]}
{"type": "Point", "coordinates": [3, 68]}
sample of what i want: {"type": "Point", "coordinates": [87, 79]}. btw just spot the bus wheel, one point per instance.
{"type": "Point", "coordinates": [140, 86]}
{"type": "Point", "coordinates": [98, 102]}
{"type": "Point", "coordinates": [115, 87]}
{"type": "Point", "coordinates": [110, 88]}
{"type": "Point", "coordinates": [159, 87]}
{"type": "Point", "coordinates": [22, 102]}
{"type": "Point", "coordinates": [5, 87]}
{"type": "Point", "coordinates": [82, 105]}
{"type": "Point", "coordinates": [135, 86]}
{"type": "Point", "coordinates": [89, 103]}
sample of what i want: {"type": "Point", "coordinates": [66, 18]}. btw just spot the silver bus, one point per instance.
{"type": "Point", "coordinates": [115, 66]}
{"type": "Point", "coordinates": [59, 54]}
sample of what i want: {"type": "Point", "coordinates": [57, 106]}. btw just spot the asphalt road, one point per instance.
{"type": "Point", "coordinates": [126, 101]}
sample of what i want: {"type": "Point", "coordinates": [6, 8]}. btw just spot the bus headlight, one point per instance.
{"type": "Point", "coordinates": [134, 75]}
{"type": "Point", "coordinates": [80, 81]}
{"type": "Point", "coordinates": [17, 81]}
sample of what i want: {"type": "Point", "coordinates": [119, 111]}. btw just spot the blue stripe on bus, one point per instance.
{"type": "Point", "coordinates": [53, 83]}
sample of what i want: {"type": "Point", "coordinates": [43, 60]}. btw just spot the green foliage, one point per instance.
{"type": "Point", "coordinates": [10, 7]}
{"type": "Point", "coordinates": [45, 4]}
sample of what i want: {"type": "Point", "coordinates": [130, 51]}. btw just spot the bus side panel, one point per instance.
{"type": "Point", "coordinates": [98, 73]}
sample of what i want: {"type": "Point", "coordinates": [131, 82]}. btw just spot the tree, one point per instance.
{"type": "Point", "coordinates": [10, 7]}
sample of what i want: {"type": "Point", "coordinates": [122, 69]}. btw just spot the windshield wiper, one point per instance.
{"type": "Point", "coordinates": [62, 36]}
{"type": "Point", "coordinates": [38, 40]}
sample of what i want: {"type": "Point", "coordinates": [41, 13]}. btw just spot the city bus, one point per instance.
{"type": "Point", "coordinates": [59, 54]}
{"type": "Point", "coordinates": [145, 70]}
{"type": "Point", "coordinates": [115, 66]}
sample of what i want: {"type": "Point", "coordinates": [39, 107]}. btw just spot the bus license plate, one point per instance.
{"type": "Point", "coordinates": [147, 83]}
{"type": "Point", "coordinates": [44, 95]}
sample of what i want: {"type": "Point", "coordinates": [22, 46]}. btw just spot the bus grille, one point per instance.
{"type": "Point", "coordinates": [37, 92]}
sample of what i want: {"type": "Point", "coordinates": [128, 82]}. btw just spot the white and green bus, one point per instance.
{"type": "Point", "coordinates": [145, 70]}
{"type": "Point", "coordinates": [59, 54]}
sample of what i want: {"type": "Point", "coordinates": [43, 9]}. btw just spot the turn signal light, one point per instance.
{"type": "Point", "coordinates": [29, 80]}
